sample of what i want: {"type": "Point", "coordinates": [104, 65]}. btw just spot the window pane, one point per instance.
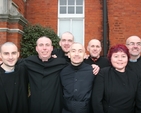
{"type": "Point", "coordinates": [70, 10]}
{"type": "Point", "coordinates": [79, 2]}
{"type": "Point", "coordinates": [63, 2]}
{"type": "Point", "coordinates": [77, 30]}
{"type": "Point", "coordinates": [70, 2]}
{"type": "Point", "coordinates": [79, 10]}
{"type": "Point", "coordinates": [62, 10]}
{"type": "Point", "coordinates": [64, 25]}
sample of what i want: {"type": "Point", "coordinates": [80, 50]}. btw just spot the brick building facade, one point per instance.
{"type": "Point", "coordinates": [124, 18]}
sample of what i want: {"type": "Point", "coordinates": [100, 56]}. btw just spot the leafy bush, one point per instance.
{"type": "Point", "coordinates": [31, 34]}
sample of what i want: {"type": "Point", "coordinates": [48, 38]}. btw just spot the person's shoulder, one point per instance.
{"type": "Point", "coordinates": [67, 69]}
{"type": "Point", "coordinates": [139, 58]}
{"type": "Point", "coordinates": [1, 70]}
{"type": "Point", "coordinates": [58, 52]}
{"type": "Point", "coordinates": [31, 57]}
{"type": "Point", "coordinates": [86, 66]}
{"type": "Point", "coordinates": [59, 60]}
{"type": "Point", "coordinates": [20, 62]}
{"type": "Point", "coordinates": [57, 49]}
{"type": "Point", "coordinates": [130, 71]}
{"type": "Point", "coordinates": [103, 58]}
{"type": "Point", "coordinates": [106, 69]}
{"type": "Point", "coordinates": [87, 59]}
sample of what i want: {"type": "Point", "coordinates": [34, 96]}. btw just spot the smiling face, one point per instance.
{"type": "Point", "coordinates": [44, 48]}
{"type": "Point", "coordinates": [9, 54]}
{"type": "Point", "coordinates": [66, 41]}
{"type": "Point", "coordinates": [94, 48]}
{"type": "Point", "coordinates": [119, 60]}
{"type": "Point", "coordinates": [133, 43]}
{"type": "Point", "coordinates": [76, 54]}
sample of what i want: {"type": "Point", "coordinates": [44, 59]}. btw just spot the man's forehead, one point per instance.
{"type": "Point", "coordinates": [44, 41]}
{"type": "Point", "coordinates": [13, 51]}
{"type": "Point", "coordinates": [134, 39]}
{"type": "Point", "coordinates": [66, 38]}
{"type": "Point", "coordinates": [77, 47]}
{"type": "Point", "coordinates": [9, 50]}
{"type": "Point", "coordinates": [74, 48]}
{"type": "Point", "coordinates": [95, 43]}
{"type": "Point", "coordinates": [9, 47]}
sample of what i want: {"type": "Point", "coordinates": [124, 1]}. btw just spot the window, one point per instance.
{"type": "Point", "coordinates": [71, 6]}
{"type": "Point", "coordinates": [71, 18]}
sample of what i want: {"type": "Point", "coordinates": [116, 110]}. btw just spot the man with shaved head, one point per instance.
{"type": "Point", "coordinates": [13, 81]}
{"type": "Point", "coordinates": [65, 42]}
{"type": "Point", "coordinates": [77, 81]}
{"type": "Point", "coordinates": [133, 43]}
{"type": "Point", "coordinates": [43, 72]}
{"type": "Point", "coordinates": [94, 48]}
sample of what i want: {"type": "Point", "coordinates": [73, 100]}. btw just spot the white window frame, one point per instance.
{"type": "Point", "coordinates": [71, 17]}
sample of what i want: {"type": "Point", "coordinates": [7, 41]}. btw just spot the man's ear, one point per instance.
{"type": "Point", "coordinates": [60, 43]}
{"type": "Point", "coordinates": [101, 49]}
{"type": "Point", "coordinates": [36, 49]}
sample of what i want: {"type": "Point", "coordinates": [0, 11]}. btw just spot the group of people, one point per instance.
{"type": "Point", "coordinates": [66, 80]}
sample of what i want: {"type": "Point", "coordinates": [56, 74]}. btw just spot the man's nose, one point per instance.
{"type": "Point", "coordinates": [10, 56]}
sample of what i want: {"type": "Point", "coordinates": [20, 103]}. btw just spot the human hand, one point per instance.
{"type": "Point", "coordinates": [54, 56]}
{"type": "Point", "coordinates": [96, 69]}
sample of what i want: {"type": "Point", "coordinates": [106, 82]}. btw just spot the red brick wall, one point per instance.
{"type": "Point", "coordinates": [124, 19]}
{"type": "Point", "coordinates": [93, 20]}
{"type": "Point", "coordinates": [14, 37]}
{"type": "Point", "coordinates": [21, 5]}
{"type": "Point", "coordinates": [3, 36]}
{"type": "Point", "coordinates": [6, 36]}
{"type": "Point", "coordinates": [43, 12]}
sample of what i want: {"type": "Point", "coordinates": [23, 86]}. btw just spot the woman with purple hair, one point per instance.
{"type": "Point", "coordinates": [117, 89]}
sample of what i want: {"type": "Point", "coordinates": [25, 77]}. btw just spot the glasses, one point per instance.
{"type": "Point", "coordinates": [133, 44]}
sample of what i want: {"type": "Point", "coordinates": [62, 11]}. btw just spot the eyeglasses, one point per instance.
{"type": "Point", "coordinates": [133, 44]}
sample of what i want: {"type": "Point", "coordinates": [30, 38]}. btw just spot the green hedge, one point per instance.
{"type": "Point", "coordinates": [31, 34]}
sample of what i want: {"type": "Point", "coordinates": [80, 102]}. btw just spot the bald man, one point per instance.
{"type": "Point", "coordinates": [133, 43]}
{"type": "Point", "coordinates": [77, 81]}
{"type": "Point", "coordinates": [43, 72]}
{"type": "Point", "coordinates": [13, 81]}
{"type": "Point", "coordinates": [65, 42]}
{"type": "Point", "coordinates": [94, 48]}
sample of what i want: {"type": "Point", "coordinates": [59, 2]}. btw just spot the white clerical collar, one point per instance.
{"type": "Point", "coordinates": [9, 71]}
{"type": "Point", "coordinates": [133, 60]}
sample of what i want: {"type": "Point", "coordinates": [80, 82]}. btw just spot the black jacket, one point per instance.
{"type": "Point", "coordinates": [116, 92]}
{"type": "Point", "coordinates": [46, 91]}
{"type": "Point", "coordinates": [136, 66]}
{"type": "Point", "coordinates": [77, 82]}
{"type": "Point", "coordinates": [14, 91]}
